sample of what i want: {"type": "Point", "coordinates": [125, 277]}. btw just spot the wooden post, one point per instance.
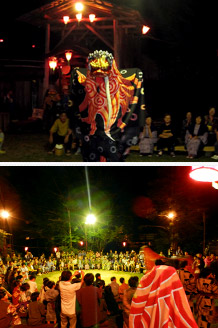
{"type": "Point", "coordinates": [46, 68]}
{"type": "Point", "coordinates": [204, 234]}
{"type": "Point", "coordinates": [116, 43]}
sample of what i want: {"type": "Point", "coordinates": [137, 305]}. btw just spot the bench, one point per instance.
{"type": "Point", "coordinates": [43, 325]}
{"type": "Point", "coordinates": [179, 148]}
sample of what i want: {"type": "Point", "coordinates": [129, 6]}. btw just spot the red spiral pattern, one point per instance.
{"type": "Point", "coordinates": [99, 101]}
{"type": "Point", "coordinates": [91, 88]}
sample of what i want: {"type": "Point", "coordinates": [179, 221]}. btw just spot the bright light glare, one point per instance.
{"type": "Point", "coordinates": [5, 214]}
{"type": "Point", "coordinates": [79, 6]}
{"type": "Point", "coordinates": [215, 185]}
{"type": "Point", "coordinates": [171, 215]}
{"type": "Point", "coordinates": [204, 173]}
{"type": "Point", "coordinates": [90, 219]}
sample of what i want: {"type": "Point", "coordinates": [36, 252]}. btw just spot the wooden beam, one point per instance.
{"type": "Point", "coordinates": [65, 36]}
{"type": "Point", "coordinates": [46, 67]}
{"type": "Point", "coordinates": [89, 27]}
{"type": "Point", "coordinates": [116, 43]}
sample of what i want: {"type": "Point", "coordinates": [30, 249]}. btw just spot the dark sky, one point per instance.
{"type": "Point", "coordinates": [127, 194]}
{"type": "Point", "coordinates": [187, 24]}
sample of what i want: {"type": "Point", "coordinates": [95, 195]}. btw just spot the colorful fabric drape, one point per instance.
{"type": "Point", "coordinates": [160, 301]}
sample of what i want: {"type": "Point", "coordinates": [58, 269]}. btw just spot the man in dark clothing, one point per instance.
{"type": "Point", "coordinates": [97, 279]}
{"type": "Point", "coordinates": [166, 137]}
{"type": "Point", "coordinates": [88, 298]}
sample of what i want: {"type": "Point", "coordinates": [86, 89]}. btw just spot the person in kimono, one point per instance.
{"type": "Point", "coordinates": [148, 138]}
{"type": "Point", "coordinates": [207, 289]}
{"type": "Point", "coordinates": [188, 281]}
{"type": "Point", "coordinates": [50, 296]}
{"type": "Point", "coordinates": [186, 123]}
{"type": "Point", "coordinates": [196, 137]}
{"type": "Point", "coordinates": [160, 301]}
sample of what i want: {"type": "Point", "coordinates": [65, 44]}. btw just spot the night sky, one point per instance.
{"type": "Point", "coordinates": [129, 196]}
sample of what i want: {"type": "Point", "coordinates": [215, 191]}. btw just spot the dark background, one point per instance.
{"type": "Point", "coordinates": [136, 197]}
{"type": "Point", "coordinates": [180, 65]}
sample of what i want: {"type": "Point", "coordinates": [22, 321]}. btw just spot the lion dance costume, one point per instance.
{"type": "Point", "coordinates": [107, 101]}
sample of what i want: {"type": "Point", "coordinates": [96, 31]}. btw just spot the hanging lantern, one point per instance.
{"type": "Point", "coordinates": [26, 249]}
{"type": "Point", "coordinates": [1, 40]}
{"type": "Point", "coordinates": [79, 17]}
{"type": "Point", "coordinates": [66, 19]}
{"type": "Point", "coordinates": [92, 18]}
{"type": "Point", "coordinates": [79, 6]}
{"type": "Point", "coordinates": [68, 55]}
{"type": "Point", "coordinates": [124, 244]}
{"type": "Point", "coordinates": [81, 243]}
{"type": "Point", "coordinates": [145, 29]}
{"type": "Point", "coordinates": [53, 62]}
{"type": "Point", "coordinates": [55, 249]}
{"type": "Point", "coordinates": [204, 173]}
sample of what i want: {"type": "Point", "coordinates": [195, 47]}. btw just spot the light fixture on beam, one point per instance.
{"type": "Point", "coordinates": [68, 55]}
{"type": "Point", "coordinates": [79, 17]}
{"type": "Point", "coordinates": [145, 29]}
{"type": "Point", "coordinates": [66, 19]}
{"type": "Point", "coordinates": [53, 62]}
{"type": "Point", "coordinates": [92, 18]}
{"type": "Point", "coordinates": [204, 173]}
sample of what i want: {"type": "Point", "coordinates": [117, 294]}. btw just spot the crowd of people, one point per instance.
{"type": "Point", "coordinates": [86, 301]}
{"type": "Point", "coordinates": [195, 132]}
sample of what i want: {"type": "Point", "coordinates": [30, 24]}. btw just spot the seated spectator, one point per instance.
{"type": "Point", "coordinates": [33, 284]}
{"type": "Point", "coordinates": [196, 138]}
{"type": "Point", "coordinates": [166, 137]}
{"type": "Point", "coordinates": [211, 122]}
{"type": "Point", "coordinates": [43, 289]}
{"type": "Point", "coordinates": [97, 279]}
{"type": "Point", "coordinates": [115, 288]}
{"type": "Point", "coordinates": [186, 123]}
{"type": "Point", "coordinates": [2, 137]}
{"type": "Point", "coordinates": [61, 133]}
{"type": "Point", "coordinates": [24, 300]}
{"type": "Point", "coordinates": [215, 155]}
{"type": "Point", "coordinates": [122, 287]}
{"type": "Point", "coordinates": [36, 311]}
{"type": "Point", "coordinates": [127, 299]}
{"type": "Point", "coordinates": [148, 138]}
{"type": "Point", "coordinates": [88, 298]}
{"type": "Point", "coordinates": [8, 313]}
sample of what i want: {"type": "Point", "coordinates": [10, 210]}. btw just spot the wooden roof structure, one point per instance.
{"type": "Point", "coordinates": [111, 21]}
{"type": "Point", "coordinates": [112, 27]}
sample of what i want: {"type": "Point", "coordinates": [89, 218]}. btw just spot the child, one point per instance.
{"type": "Point", "coordinates": [50, 296]}
{"type": "Point", "coordinates": [36, 311]}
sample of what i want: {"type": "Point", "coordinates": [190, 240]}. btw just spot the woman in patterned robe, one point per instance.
{"type": "Point", "coordinates": [208, 290]}
{"type": "Point", "coordinates": [196, 137]}
{"type": "Point", "coordinates": [147, 138]}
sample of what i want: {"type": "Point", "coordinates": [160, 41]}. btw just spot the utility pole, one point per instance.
{"type": "Point", "coordinates": [70, 231]}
